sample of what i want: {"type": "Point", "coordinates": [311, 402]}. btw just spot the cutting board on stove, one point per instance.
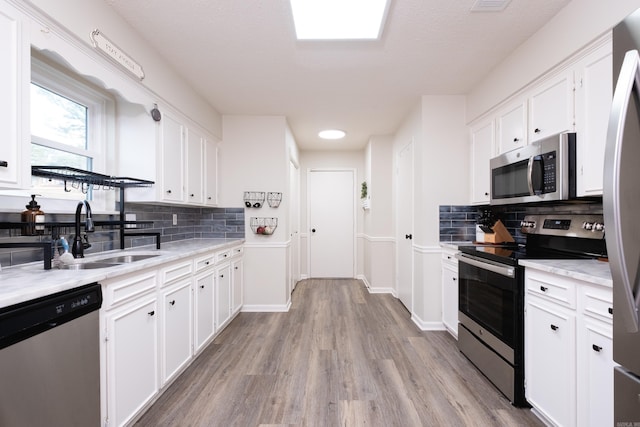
{"type": "Point", "coordinates": [499, 234]}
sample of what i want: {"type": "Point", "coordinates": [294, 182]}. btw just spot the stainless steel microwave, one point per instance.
{"type": "Point", "coordinates": [542, 171]}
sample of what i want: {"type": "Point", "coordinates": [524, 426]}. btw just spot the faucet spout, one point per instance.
{"type": "Point", "coordinates": [78, 246]}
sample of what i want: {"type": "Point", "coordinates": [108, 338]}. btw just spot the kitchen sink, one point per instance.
{"type": "Point", "coordinates": [87, 265]}
{"type": "Point", "coordinates": [125, 259]}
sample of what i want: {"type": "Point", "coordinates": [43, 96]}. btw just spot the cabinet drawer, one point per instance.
{"type": "Point", "coordinates": [449, 258]}
{"type": "Point", "coordinates": [551, 287]}
{"type": "Point", "coordinates": [205, 262]}
{"type": "Point", "coordinates": [597, 302]}
{"type": "Point", "coordinates": [176, 271]}
{"type": "Point", "coordinates": [237, 251]}
{"type": "Point", "coordinates": [223, 255]}
{"type": "Point", "coordinates": [120, 291]}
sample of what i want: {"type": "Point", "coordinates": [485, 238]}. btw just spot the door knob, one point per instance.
{"type": "Point", "coordinates": [408, 236]}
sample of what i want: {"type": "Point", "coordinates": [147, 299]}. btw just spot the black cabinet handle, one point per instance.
{"type": "Point", "coordinates": [543, 288]}
{"type": "Point", "coordinates": [4, 164]}
{"type": "Point", "coordinates": [610, 310]}
{"type": "Point", "coordinates": [201, 286]}
{"type": "Point", "coordinates": [455, 278]}
{"type": "Point", "coordinates": [209, 198]}
{"type": "Point", "coordinates": [554, 327]}
{"type": "Point", "coordinates": [168, 191]}
{"type": "Point", "coordinates": [486, 193]}
{"type": "Point", "coordinates": [313, 230]}
{"type": "Point", "coordinates": [222, 275]}
{"type": "Point", "coordinates": [515, 140]}
{"type": "Point", "coordinates": [151, 313]}
{"type": "Point", "coordinates": [172, 302]}
{"type": "Point", "coordinates": [537, 130]}
{"type": "Point", "coordinates": [596, 348]}
{"type": "Point", "coordinates": [192, 194]}
{"type": "Point", "coordinates": [235, 268]}
{"type": "Point", "coordinates": [408, 236]}
{"type": "Point", "coordinates": [206, 262]}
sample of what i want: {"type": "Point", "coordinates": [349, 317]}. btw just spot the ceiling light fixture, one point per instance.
{"type": "Point", "coordinates": [332, 134]}
{"type": "Point", "coordinates": [339, 19]}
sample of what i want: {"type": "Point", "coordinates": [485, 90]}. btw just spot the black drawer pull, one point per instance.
{"type": "Point", "coordinates": [222, 275]}
{"type": "Point", "coordinates": [596, 347]}
{"type": "Point", "coordinates": [172, 302]}
{"type": "Point", "coordinates": [543, 288]}
{"type": "Point", "coordinates": [610, 310]}
{"type": "Point", "coordinates": [168, 191]}
{"type": "Point", "coordinates": [201, 286]}
{"type": "Point", "coordinates": [151, 313]}
{"type": "Point", "coordinates": [4, 164]}
{"type": "Point", "coordinates": [554, 327]}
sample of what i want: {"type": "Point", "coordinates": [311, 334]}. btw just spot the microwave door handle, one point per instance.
{"type": "Point", "coordinates": [624, 289]}
{"type": "Point", "coordinates": [530, 175]}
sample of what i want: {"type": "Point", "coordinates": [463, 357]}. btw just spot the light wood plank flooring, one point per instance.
{"type": "Point", "coordinates": [339, 357]}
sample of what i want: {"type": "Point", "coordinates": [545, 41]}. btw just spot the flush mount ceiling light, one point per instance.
{"type": "Point", "coordinates": [338, 19]}
{"type": "Point", "coordinates": [331, 134]}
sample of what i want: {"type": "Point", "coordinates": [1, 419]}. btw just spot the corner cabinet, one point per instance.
{"type": "Point", "coordinates": [568, 350]}
{"type": "Point", "coordinates": [154, 322]}
{"type": "Point", "coordinates": [15, 79]}
{"type": "Point", "coordinates": [482, 149]}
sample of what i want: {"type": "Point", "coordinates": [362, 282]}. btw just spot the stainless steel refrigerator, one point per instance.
{"type": "Point", "coordinates": [621, 205]}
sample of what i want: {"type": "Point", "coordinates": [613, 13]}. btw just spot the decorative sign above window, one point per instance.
{"type": "Point", "coordinates": [102, 43]}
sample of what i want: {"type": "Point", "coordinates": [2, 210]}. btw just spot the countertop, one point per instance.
{"type": "Point", "coordinates": [588, 270]}
{"type": "Point", "coordinates": [29, 281]}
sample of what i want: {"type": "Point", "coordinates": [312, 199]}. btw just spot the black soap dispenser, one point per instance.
{"type": "Point", "coordinates": [32, 217]}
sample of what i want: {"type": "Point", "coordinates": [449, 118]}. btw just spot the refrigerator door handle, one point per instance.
{"type": "Point", "coordinates": [628, 82]}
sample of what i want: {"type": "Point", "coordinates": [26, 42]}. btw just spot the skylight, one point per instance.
{"type": "Point", "coordinates": [338, 19]}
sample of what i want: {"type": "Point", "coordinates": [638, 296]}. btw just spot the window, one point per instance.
{"type": "Point", "coordinates": [70, 119]}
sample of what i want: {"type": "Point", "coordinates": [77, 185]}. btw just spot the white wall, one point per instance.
{"type": "Point", "coordinates": [81, 17]}
{"type": "Point", "coordinates": [579, 23]}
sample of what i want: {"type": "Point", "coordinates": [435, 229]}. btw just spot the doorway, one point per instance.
{"type": "Point", "coordinates": [331, 211]}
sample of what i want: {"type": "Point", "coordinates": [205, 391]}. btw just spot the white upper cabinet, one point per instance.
{"type": "Point", "coordinates": [482, 143]}
{"type": "Point", "coordinates": [551, 107]}
{"type": "Point", "coordinates": [171, 176]}
{"type": "Point", "coordinates": [594, 91]}
{"type": "Point", "coordinates": [14, 104]}
{"type": "Point", "coordinates": [211, 172]}
{"type": "Point", "coordinates": [195, 167]}
{"type": "Point", "coordinates": [512, 127]}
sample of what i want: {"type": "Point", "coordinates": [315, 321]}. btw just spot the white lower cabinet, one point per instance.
{"type": "Point", "coordinates": [176, 334]}
{"type": "Point", "coordinates": [450, 292]}
{"type": "Point", "coordinates": [223, 295]}
{"type": "Point", "coordinates": [153, 323]}
{"type": "Point", "coordinates": [568, 350]}
{"type": "Point", "coordinates": [132, 362]}
{"type": "Point", "coordinates": [237, 279]}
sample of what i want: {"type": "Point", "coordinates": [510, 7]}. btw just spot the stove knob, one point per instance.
{"type": "Point", "coordinates": [598, 226]}
{"type": "Point", "coordinates": [587, 225]}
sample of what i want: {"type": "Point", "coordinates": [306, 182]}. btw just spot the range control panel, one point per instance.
{"type": "Point", "coordinates": [565, 225]}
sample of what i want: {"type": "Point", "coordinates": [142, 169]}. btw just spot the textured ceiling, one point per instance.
{"type": "Point", "coordinates": [243, 57]}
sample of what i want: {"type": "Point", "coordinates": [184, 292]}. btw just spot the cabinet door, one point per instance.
{"type": "Point", "coordinates": [482, 142]}
{"type": "Point", "coordinates": [512, 128]}
{"type": "Point", "coordinates": [172, 145]}
{"type": "Point", "coordinates": [551, 108]}
{"type": "Point", "coordinates": [595, 376]}
{"type": "Point", "coordinates": [450, 297]}
{"type": "Point", "coordinates": [236, 291]}
{"type": "Point", "coordinates": [14, 106]}
{"type": "Point", "coordinates": [132, 359]}
{"type": "Point", "coordinates": [211, 172]}
{"type": "Point", "coordinates": [176, 329]}
{"type": "Point", "coordinates": [204, 321]}
{"type": "Point", "coordinates": [550, 361]}
{"type": "Point", "coordinates": [195, 166]}
{"type": "Point", "coordinates": [223, 295]}
{"type": "Point", "coordinates": [594, 91]}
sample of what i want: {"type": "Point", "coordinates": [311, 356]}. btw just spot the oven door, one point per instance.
{"type": "Point", "coordinates": [489, 295]}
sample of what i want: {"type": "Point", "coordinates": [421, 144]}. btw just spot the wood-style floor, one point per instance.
{"type": "Point", "coordinates": [339, 357]}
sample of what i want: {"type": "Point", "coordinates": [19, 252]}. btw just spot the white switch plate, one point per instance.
{"type": "Point", "coordinates": [175, 219]}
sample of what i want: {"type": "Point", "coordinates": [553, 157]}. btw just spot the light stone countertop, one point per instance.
{"type": "Point", "coordinates": [588, 270]}
{"type": "Point", "coordinates": [29, 281]}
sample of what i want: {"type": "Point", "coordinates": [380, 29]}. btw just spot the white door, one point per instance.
{"type": "Point", "coordinates": [331, 199]}
{"type": "Point", "coordinates": [294, 221]}
{"type": "Point", "coordinates": [404, 226]}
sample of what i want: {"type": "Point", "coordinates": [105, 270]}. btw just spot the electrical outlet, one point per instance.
{"type": "Point", "coordinates": [175, 219]}
{"type": "Point", "coordinates": [130, 217]}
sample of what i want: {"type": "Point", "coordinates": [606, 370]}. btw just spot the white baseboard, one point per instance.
{"type": "Point", "coordinates": [427, 326]}
{"type": "Point", "coordinates": [259, 308]}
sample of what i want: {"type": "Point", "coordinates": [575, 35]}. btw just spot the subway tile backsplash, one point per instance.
{"type": "Point", "coordinates": [191, 223]}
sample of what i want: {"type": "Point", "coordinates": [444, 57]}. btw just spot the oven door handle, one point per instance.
{"type": "Point", "coordinates": [494, 267]}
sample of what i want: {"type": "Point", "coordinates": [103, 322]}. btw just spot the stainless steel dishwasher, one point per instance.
{"type": "Point", "coordinates": [50, 360]}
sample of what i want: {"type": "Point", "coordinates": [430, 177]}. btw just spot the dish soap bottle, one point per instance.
{"type": "Point", "coordinates": [32, 217]}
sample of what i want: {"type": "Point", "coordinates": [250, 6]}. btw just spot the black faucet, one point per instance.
{"type": "Point", "coordinates": [77, 250]}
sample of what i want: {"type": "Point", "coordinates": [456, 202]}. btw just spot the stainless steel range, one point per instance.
{"type": "Point", "coordinates": [491, 292]}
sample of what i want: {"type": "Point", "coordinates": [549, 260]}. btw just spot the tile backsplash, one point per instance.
{"type": "Point", "coordinates": [191, 223]}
